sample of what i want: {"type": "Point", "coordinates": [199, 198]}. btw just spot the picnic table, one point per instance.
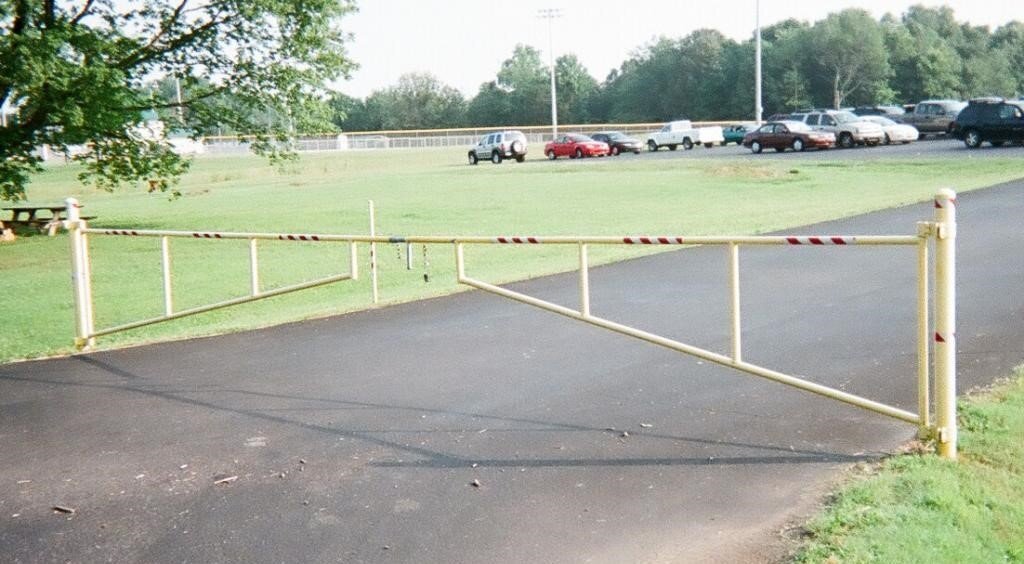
{"type": "Point", "coordinates": [42, 217]}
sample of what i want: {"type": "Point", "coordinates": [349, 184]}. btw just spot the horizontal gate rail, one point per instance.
{"type": "Point", "coordinates": [813, 240]}
{"type": "Point", "coordinates": [942, 232]}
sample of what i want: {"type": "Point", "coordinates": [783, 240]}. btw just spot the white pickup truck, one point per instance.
{"type": "Point", "coordinates": [682, 132]}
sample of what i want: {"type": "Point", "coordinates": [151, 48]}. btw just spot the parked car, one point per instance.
{"type": "Point", "coordinates": [736, 133]}
{"type": "Point", "coordinates": [934, 117]}
{"type": "Point", "coordinates": [499, 146]}
{"type": "Point", "coordinates": [618, 142]}
{"type": "Point", "coordinates": [575, 146]}
{"type": "Point", "coordinates": [894, 132]}
{"type": "Point", "coordinates": [849, 129]}
{"type": "Point", "coordinates": [782, 135]}
{"type": "Point", "coordinates": [892, 112]}
{"type": "Point", "coordinates": [990, 119]}
{"type": "Point", "coordinates": [682, 132]}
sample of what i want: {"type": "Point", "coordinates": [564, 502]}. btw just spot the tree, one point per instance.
{"type": "Point", "coordinates": [850, 56]}
{"type": "Point", "coordinates": [75, 72]}
{"type": "Point", "coordinates": [574, 87]}
{"type": "Point", "coordinates": [787, 66]}
{"type": "Point", "coordinates": [418, 101]}
{"type": "Point", "coordinates": [521, 94]}
{"type": "Point", "coordinates": [1009, 39]}
{"type": "Point", "coordinates": [526, 80]}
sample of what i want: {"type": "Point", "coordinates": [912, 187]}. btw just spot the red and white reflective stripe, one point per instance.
{"type": "Point", "coordinates": [939, 338]}
{"type": "Point", "coordinates": [207, 235]}
{"type": "Point", "coordinates": [821, 240]}
{"type": "Point", "coordinates": [121, 232]}
{"type": "Point", "coordinates": [517, 240]}
{"type": "Point", "coordinates": [652, 240]}
{"type": "Point", "coordinates": [952, 202]}
{"type": "Point", "coordinates": [298, 237]}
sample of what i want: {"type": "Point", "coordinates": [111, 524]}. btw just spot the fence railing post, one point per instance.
{"type": "Point", "coordinates": [945, 323]}
{"type": "Point", "coordinates": [80, 276]}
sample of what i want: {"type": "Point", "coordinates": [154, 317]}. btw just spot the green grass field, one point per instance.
{"type": "Point", "coordinates": [921, 508]}
{"type": "Point", "coordinates": [429, 192]}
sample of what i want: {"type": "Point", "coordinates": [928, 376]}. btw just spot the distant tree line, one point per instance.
{"type": "Point", "coordinates": [847, 59]}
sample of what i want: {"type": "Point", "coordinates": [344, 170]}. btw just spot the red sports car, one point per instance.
{"type": "Point", "coordinates": [575, 146]}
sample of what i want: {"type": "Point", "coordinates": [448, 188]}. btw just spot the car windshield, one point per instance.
{"type": "Point", "coordinates": [580, 138]}
{"type": "Point", "coordinates": [844, 117]}
{"type": "Point", "coordinates": [797, 126]}
{"type": "Point", "coordinates": [616, 136]}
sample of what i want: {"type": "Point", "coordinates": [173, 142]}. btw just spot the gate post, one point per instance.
{"type": "Point", "coordinates": [945, 323]}
{"type": "Point", "coordinates": [79, 276]}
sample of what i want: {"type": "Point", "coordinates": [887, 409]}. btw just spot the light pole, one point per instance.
{"type": "Point", "coordinates": [757, 65]}
{"type": "Point", "coordinates": [550, 14]}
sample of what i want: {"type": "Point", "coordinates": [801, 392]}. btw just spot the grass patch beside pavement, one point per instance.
{"type": "Point", "coordinates": [920, 508]}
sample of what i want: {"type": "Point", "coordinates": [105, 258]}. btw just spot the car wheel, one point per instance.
{"type": "Point", "coordinates": [579, 153]}
{"type": "Point", "coordinates": [755, 147]}
{"type": "Point", "coordinates": [520, 158]}
{"type": "Point", "coordinates": [636, 151]}
{"type": "Point", "coordinates": [472, 158]}
{"type": "Point", "coordinates": [615, 150]}
{"type": "Point", "coordinates": [552, 155]}
{"type": "Point", "coordinates": [888, 141]}
{"type": "Point", "coordinates": [496, 157]}
{"type": "Point", "coordinates": [672, 147]}
{"type": "Point", "coordinates": [687, 144]}
{"type": "Point", "coordinates": [798, 144]}
{"type": "Point", "coordinates": [972, 139]}
{"type": "Point", "coordinates": [846, 140]}
{"type": "Point", "coordinates": [709, 145]}
{"type": "Point", "coordinates": [517, 147]}
{"type": "Point", "coordinates": [652, 146]}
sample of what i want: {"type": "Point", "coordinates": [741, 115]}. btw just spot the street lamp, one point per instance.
{"type": "Point", "coordinates": [757, 65]}
{"type": "Point", "coordinates": [550, 14]}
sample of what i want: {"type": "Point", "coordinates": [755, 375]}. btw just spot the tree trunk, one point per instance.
{"type": "Point", "coordinates": [837, 96]}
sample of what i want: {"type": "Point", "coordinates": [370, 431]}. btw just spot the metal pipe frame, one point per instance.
{"type": "Point", "coordinates": [943, 231]}
{"type": "Point", "coordinates": [85, 331]}
{"type": "Point", "coordinates": [698, 352]}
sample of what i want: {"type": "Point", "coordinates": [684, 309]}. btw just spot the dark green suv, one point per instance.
{"type": "Point", "coordinates": [995, 120]}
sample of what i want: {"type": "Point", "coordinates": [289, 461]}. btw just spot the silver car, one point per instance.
{"type": "Point", "coordinates": [499, 146]}
{"type": "Point", "coordinates": [848, 128]}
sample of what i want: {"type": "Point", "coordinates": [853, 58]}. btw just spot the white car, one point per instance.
{"type": "Point", "coordinates": [894, 132]}
{"type": "Point", "coordinates": [682, 132]}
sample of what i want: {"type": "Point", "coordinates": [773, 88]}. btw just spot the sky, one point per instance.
{"type": "Point", "coordinates": [463, 42]}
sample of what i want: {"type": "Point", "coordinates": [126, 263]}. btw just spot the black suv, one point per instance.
{"type": "Point", "coordinates": [990, 119]}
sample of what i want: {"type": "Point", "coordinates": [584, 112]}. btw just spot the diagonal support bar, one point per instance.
{"type": "Point", "coordinates": [691, 350]}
